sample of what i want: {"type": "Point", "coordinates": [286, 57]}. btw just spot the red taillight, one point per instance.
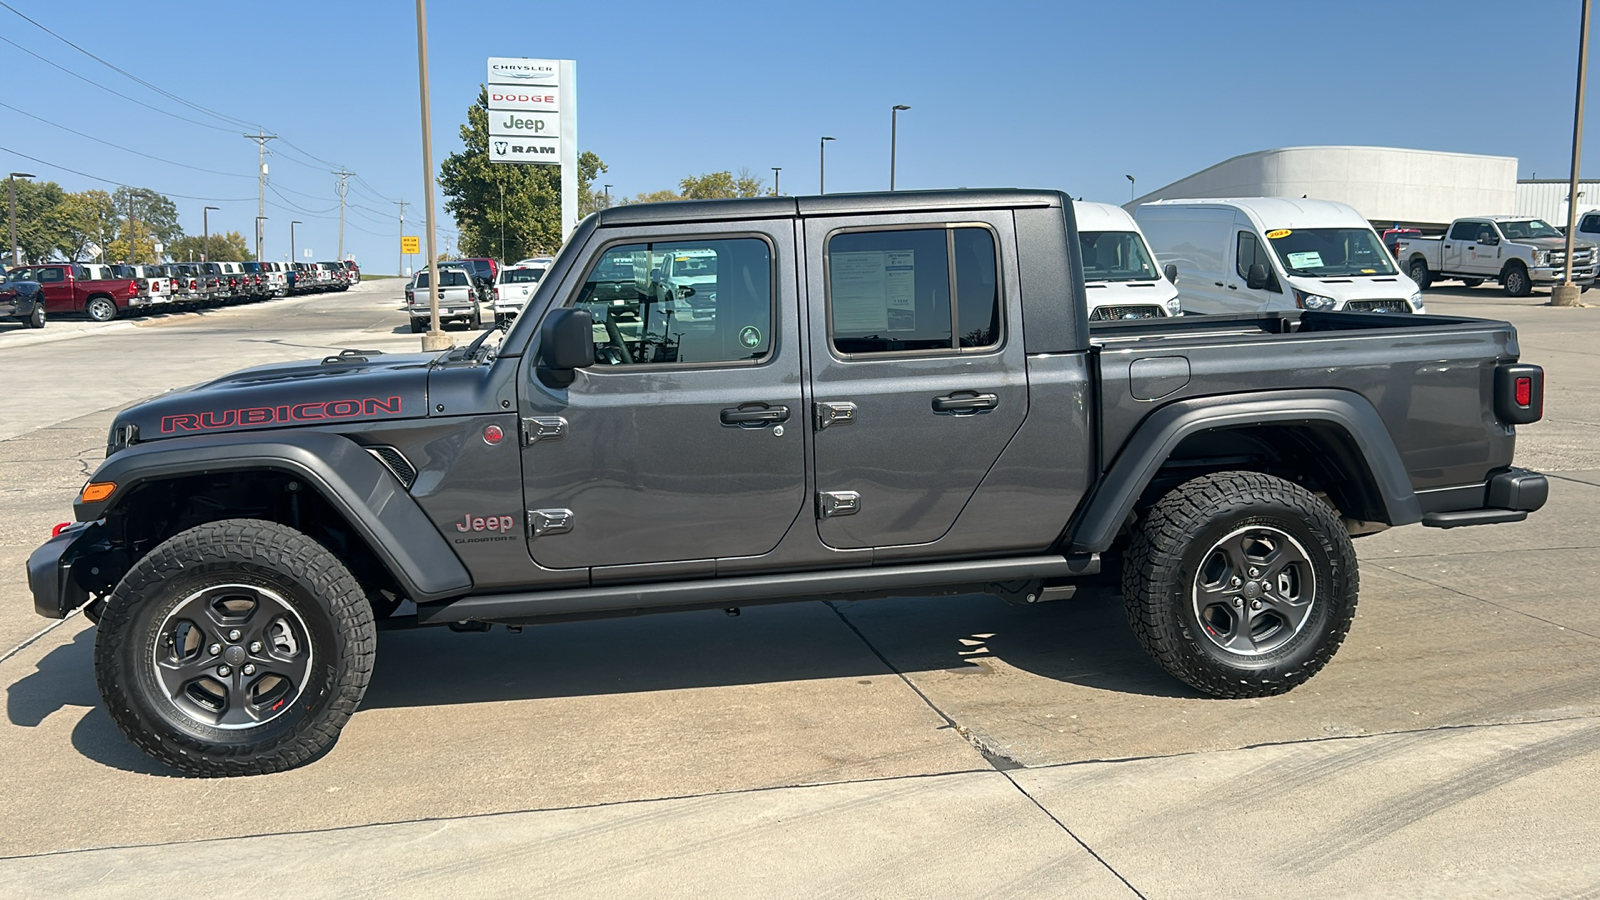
{"type": "Point", "coordinates": [133, 289]}
{"type": "Point", "coordinates": [1524, 391]}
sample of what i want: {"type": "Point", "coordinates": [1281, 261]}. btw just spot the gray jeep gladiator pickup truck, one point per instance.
{"type": "Point", "coordinates": [878, 394]}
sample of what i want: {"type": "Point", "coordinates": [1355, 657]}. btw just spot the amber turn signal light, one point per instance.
{"type": "Point", "coordinates": [94, 492]}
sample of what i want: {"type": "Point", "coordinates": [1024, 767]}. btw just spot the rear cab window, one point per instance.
{"type": "Point", "coordinates": [922, 290]}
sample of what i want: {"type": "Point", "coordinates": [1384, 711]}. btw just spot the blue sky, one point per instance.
{"type": "Point", "coordinates": [1059, 95]}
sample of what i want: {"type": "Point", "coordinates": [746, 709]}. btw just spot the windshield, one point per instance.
{"type": "Point", "coordinates": [521, 276]}
{"type": "Point", "coordinates": [1330, 251]}
{"type": "Point", "coordinates": [447, 278]}
{"type": "Point", "coordinates": [1531, 228]}
{"type": "Point", "coordinates": [1115, 256]}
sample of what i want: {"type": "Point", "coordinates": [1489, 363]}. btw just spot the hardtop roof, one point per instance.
{"type": "Point", "coordinates": [827, 205]}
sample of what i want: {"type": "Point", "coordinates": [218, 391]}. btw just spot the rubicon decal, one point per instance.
{"type": "Point", "coordinates": [281, 415]}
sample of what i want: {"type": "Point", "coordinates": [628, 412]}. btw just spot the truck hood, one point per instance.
{"type": "Point", "coordinates": [1553, 244]}
{"type": "Point", "coordinates": [286, 395]}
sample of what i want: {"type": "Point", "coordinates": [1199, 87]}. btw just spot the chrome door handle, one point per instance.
{"type": "Point", "coordinates": [965, 402]}
{"type": "Point", "coordinates": [752, 415]}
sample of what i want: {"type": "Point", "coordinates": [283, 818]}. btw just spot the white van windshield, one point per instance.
{"type": "Point", "coordinates": [1115, 256]}
{"type": "Point", "coordinates": [1330, 251]}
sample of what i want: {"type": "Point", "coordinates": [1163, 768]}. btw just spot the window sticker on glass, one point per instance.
{"type": "Point", "coordinates": [1278, 233]}
{"type": "Point", "coordinates": [1309, 259]}
{"type": "Point", "coordinates": [874, 290]}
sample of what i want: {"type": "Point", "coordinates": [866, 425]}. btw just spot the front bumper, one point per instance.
{"type": "Point", "coordinates": [1555, 274]}
{"type": "Point", "coordinates": [1507, 497]}
{"type": "Point", "coordinates": [63, 571]}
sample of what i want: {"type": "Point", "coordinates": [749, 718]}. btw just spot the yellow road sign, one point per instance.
{"type": "Point", "coordinates": [409, 245]}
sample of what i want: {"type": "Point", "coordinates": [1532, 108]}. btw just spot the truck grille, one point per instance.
{"type": "Point", "coordinates": [1579, 257]}
{"type": "Point", "coordinates": [1379, 306]}
{"type": "Point", "coordinates": [1111, 313]}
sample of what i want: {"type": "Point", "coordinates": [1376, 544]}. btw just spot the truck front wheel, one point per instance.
{"type": "Point", "coordinates": [1420, 274]}
{"type": "Point", "coordinates": [1240, 584]}
{"type": "Point", "coordinates": [1515, 281]}
{"type": "Point", "coordinates": [238, 647]}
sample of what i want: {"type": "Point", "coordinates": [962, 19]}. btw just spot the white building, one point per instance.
{"type": "Point", "coordinates": [1546, 198]}
{"type": "Point", "coordinates": [1387, 184]}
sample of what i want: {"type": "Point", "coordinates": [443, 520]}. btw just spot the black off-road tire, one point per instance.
{"type": "Point", "coordinates": [1515, 280]}
{"type": "Point", "coordinates": [1418, 270]}
{"type": "Point", "coordinates": [1163, 568]}
{"type": "Point", "coordinates": [328, 607]}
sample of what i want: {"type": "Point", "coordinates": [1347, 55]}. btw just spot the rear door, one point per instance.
{"type": "Point", "coordinates": [918, 372]}
{"type": "Point", "coordinates": [57, 289]}
{"type": "Point", "coordinates": [684, 442]}
{"type": "Point", "coordinates": [1460, 245]}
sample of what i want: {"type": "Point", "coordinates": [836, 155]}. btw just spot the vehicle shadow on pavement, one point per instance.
{"type": "Point", "coordinates": [1085, 643]}
{"type": "Point", "coordinates": [65, 678]}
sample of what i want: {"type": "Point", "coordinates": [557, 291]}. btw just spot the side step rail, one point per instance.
{"type": "Point", "coordinates": [712, 593]}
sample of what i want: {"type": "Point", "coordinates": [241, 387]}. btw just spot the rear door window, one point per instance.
{"type": "Point", "coordinates": [1465, 231]}
{"type": "Point", "coordinates": [913, 290]}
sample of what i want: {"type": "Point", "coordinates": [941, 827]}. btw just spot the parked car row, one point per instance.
{"type": "Point", "coordinates": [103, 292]}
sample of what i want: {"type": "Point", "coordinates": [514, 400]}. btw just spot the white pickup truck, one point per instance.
{"type": "Point", "coordinates": [458, 300]}
{"type": "Point", "coordinates": [1517, 251]}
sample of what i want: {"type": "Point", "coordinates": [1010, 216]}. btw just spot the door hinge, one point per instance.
{"type": "Point", "coordinates": [549, 521]}
{"type": "Point", "coordinates": [832, 504]}
{"type": "Point", "coordinates": [543, 428]}
{"type": "Point", "coordinates": [834, 413]}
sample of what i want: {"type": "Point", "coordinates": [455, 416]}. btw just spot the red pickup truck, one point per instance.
{"type": "Point", "coordinates": [69, 289]}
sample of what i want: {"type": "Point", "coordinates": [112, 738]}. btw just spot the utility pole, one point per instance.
{"type": "Point", "coordinates": [205, 225]}
{"type": "Point", "coordinates": [775, 171]}
{"type": "Point", "coordinates": [11, 183]}
{"type": "Point", "coordinates": [402, 204]}
{"type": "Point", "coordinates": [435, 339]}
{"type": "Point", "coordinates": [343, 175]}
{"type": "Point", "coordinates": [1566, 293]}
{"type": "Point", "coordinates": [261, 138]}
{"type": "Point", "coordinates": [132, 260]}
{"type": "Point", "coordinates": [894, 128]}
{"type": "Point", "coordinates": [502, 185]}
{"type": "Point", "coordinates": [822, 165]}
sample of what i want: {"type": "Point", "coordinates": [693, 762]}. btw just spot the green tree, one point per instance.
{"type": "Point", "coordinates": [522, 203]}
{"type": "Point", "coordinates": [717, 185]}
{"type": "Point", "coordinates": [38, 219]}
{"type": "Point", "coordinates": [86, 219]}
{"type": "Point", "coordinates": [229, 247]}
{"type": "Point", "coordinates": [155, 220]}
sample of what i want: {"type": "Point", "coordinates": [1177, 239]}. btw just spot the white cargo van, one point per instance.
{"type": "Point", "coordinates": [1257, 254]}
{"type": "Point", "coordinates": [1118, 270]}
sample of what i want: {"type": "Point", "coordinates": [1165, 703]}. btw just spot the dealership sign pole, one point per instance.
{"type": "Point", "coordinates": [533, 120]}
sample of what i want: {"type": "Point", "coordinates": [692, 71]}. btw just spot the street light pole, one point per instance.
{"type": "Point", "coordinates": [292, 250]}
{"type": "Point", "coordinates": [822, 167]}
{"type": "Point", "coordinates": [1566, 293]}
{"type": "Point", "coordinates": [1131, 192]}
{"type": "Point", "coordinates": [775, 171]}
{"type": "Point", "coordinates": [502, 185]}
{"type": "Point", "coordinates": [261, 233]}
{"type": "Point", "coordinates": [894, 128]}
{"type": "Point", "coordinates": [11, 185]}
{"type": "Point", "coordinates": [435, 339]}
{"type": "Point", "coordinates": [205, 226]}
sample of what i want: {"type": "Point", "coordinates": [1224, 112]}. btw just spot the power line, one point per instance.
{"type": "Point", "coordinates": [129, 75]}
{"type": "Point", "coordinates": [298, 208]}
{"type": "Point", "coordinates": [91, 137]}
{"type": "Point", "coordinates": [44, 162]}
{"type": "Point", "coordinates": [109, 90]}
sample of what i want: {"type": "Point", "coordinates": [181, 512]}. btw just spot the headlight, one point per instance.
{"type": "Point", "coordinates": [1313, 301]}
{"type": "Point", "coordinates": [1174, 307]}
{"type": "Point", "coordinates": [1416, 300]}
{"type": "Point", "coordinates": [1541, 257]}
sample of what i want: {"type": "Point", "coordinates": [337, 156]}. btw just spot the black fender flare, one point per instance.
{"type": "Point", "coordinates": [360, 487]}
{"type": "Point", "coordinates": [1163, 430]}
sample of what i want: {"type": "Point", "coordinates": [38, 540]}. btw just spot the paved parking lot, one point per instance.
{"type": "Point", "coordinates": [918, 747]}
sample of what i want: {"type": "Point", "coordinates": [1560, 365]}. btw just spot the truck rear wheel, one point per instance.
{"type": "Point", "coordinates": [101, 309]}
{"type": "Point", "coordinates": [1420, 274]}
{"type": "Point", "coordinates": [238, 647]}
{"type": "Point", "coordinates": [1515, 281]}
{"type": "Point", "coordinates": [1240, 584]}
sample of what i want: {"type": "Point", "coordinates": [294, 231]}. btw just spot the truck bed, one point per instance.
{"type": "Point", "coordinates": [1429, 377]}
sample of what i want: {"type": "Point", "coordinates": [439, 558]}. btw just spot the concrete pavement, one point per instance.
{"type": "Point", "coordinates": [885, 748]}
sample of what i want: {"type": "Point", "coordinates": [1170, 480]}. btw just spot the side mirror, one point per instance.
{"type": "Point", "coordinates": [1171, 271]}
{"type": "Point", "coordinates": [655, 274]}
{"type": "Point", "coordinates": [566, 343]}
{"type": "Point", "coordinates": [1258, 277]}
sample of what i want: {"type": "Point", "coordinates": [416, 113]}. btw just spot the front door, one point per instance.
{"type": "Point", "coordinates": [918, 372]}
{"type": "Point", "coordinates": [1249, 250]}
{"type": "Point", "coordinates": [684, 441]}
